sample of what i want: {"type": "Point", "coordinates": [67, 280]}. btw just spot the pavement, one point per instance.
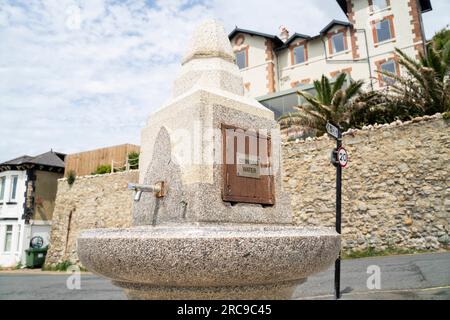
{"type": "Point", "coordinates": [407, 277]}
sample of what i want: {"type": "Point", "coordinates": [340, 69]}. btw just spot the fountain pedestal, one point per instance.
{"type": "Point", "coordinates": [223, 229]}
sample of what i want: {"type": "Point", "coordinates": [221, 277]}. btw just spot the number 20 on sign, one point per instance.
{"type": "Point", "coordinates": [342, 157]}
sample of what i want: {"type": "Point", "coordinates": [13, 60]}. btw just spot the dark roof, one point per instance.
{"type": "Point", "coordinates": [334, 23]}
{"type": "Point", "coordinates": [278, 41]}
{"type": "Point", "coordinates": [425, 5]}
{"type": "Point", "coordinates": [47, 159]}
{"type": "Point", "coordinates": [17, 161]}
{"type": "Point", "coordinates": [295, 36]}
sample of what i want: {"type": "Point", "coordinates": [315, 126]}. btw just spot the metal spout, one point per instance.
{"type": "Point", "coordinates": [157, 189]}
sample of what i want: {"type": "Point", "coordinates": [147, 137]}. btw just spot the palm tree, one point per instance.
{"type": "Point", "coordinates": [425, 88]}
{"type": "Point", "coordinates": [332, 103]}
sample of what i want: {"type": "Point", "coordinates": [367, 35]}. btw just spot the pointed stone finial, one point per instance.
{"type": "Point", "coordinates": [209, 62]}
{"type": "Point", "coordinates": [209, 40]}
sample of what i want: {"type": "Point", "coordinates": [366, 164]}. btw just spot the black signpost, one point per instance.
{"type": "Point", "coordinates": [339, 159]}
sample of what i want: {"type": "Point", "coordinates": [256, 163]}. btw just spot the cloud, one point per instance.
{"type": "Point", "coordinates": [76, 75]}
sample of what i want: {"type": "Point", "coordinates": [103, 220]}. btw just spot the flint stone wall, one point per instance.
{"type": "Point", "coordinates": [395, 190]}
{"type": "Point", "coordinates": [98, 201]}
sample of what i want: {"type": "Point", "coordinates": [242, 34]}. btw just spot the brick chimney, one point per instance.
{"type": "Point", "coordinates": [284, 33]}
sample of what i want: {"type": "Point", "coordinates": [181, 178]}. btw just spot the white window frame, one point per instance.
{"type": "Point", "coordinates": [378, 30]}
{"type": "Point", "coordinates": [6, 236]}
{"type": "Point", "coordinates": [2, 189]}
{"type": "Point", "coordinates": [304, 54]}
{"type": "Point", "coordinates": [244, 52]}
{"type": "Point", "coordinates": [343, 42]}
{"type": "Point", "coordinates": [384, 78]}
{"type": "Point", "coordinates": [376, 8]}
{"type": "Point", "coordinates": [13, 188]}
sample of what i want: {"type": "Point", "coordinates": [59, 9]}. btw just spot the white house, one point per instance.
{"type": "Point", "coordinates": [27, 196]}
{"type": "Point", "coordinates": [275, 67]}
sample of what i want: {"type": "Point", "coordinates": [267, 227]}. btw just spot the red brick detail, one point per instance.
{"type": "Point", "coordinates": [294, 84]}
{"type": "Point", "coordinates": [414, 13]}
{"type": "Point", "coordinates": [293, 46]}
{"type": "Point", "coordinates": [351, 18]}
{"type": "Point", "coordinates": [374, 27]}
{"type": "Point", "coordinates": [334, 74]}
{"type": "Point", "coordinates": [348, 71]}
{"type": "Point", "coordinates": [270, 68]}
{"type": "Point", "coordinates": [306, 81]}
{"type": "Point", "coordinates": [330, 36]}
{"type": "Point", "coordinates": [380, 62]}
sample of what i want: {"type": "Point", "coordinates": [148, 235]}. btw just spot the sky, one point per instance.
{"type": "Point", "coordinates": [79, 75]}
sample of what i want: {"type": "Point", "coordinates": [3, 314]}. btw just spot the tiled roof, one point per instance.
{"type": "Point", "coordinates": [51, 159]}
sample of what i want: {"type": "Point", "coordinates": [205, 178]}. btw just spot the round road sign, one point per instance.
{"type": "Point", "coordinates": [342, 157]}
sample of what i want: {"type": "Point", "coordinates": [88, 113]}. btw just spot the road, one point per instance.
{"type": "Point", "coordinates": [424, 276]}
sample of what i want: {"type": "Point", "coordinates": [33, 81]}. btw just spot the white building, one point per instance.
{"type": "Point", "coordinates": [275, 67]}
{"type": "Point", "coordinates": [27, 197]}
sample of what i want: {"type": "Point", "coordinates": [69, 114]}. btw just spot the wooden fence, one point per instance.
{"type": "Point", "coordinates": [85, 163]}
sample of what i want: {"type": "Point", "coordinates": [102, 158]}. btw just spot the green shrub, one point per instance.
{"type": "Point", "coordinates": [61, 266]}
{"type": "Point", "coordinates": [71, 177]}
{"type": "Point", "coordinates": [102, 169]}
{"type": "Point", "coordinates": [133, 160]}
{"type": "Point", "coordinates": [446, 115]}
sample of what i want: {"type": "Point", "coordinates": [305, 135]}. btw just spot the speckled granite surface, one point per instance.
{"type": "Point", "coordinates": [203, 256]}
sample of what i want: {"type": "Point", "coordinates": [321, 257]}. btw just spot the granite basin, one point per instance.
{"type": "Point", "coordinates": [208, 261]}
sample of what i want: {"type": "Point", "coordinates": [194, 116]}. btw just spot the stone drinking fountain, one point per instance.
{"type": "Point", "coordinates": [211, 220]}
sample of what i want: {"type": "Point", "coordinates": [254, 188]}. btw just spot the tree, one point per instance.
{"type": "Point", "coordinates": [425, 87]}
{"type": "Point", "coordinates": [332, 103]}
{"type": "Point", "coordinates": [441, 39]}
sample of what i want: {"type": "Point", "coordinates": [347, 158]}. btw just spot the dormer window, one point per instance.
{"type": "Point", "coordinates": [338, 42]}
{"type": "Point", "coordinates": [241, 59]}
{"type": "Point", "coordinates": [299, 54]}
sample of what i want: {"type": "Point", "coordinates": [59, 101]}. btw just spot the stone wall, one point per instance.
{"type": "Point", "coordinates": [396, 189]}
{"type": "Point", "coordinates": [99, 201]}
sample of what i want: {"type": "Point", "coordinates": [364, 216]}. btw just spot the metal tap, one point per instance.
{"type": "Point", "coordinates": [157, 189]}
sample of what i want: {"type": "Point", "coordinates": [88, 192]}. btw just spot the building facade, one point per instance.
{"type": "Point", "coordinates": [27, 199]}
{"type": "Point", "coordinates": [275, 67]}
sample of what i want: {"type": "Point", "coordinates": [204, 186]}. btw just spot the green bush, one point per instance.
{"type": "Point", "coordinates": [133, 160]}
{"type": "Point", "coordinates": [71, 177]}
{"type": "Point", "coordinates": [102, 169]}
{"type": "Point", "coordinates": [446, 115]}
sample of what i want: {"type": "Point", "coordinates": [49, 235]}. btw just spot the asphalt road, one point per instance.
{"type": "Point", "coordinates": [424, 276]}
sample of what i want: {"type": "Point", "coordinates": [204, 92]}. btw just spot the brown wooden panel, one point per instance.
{"type": "Point", "coordinates": [84, 163]}
{"type": "Point", "coordinates": [240, 145]}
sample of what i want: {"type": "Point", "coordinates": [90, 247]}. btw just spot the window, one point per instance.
{"type": "Point", "coordinates": [299, 54]}
{"type": "Point", "coordinates": [2, 188]}
{"type": "Point", "coordinates": [338, 43]}
{"type": "Point", "coordinates": [13, 187]}
{"type": "Point", "coordinates": [379, 4]}
{"type": "Point", "coordinates": [391, 67]}
{"type": "Point", "coordinates": [19, 227]}
{"type": "Point", "coordinates": [241, 59]}
{"type": "Point", "coordinates": [8, 238]}
{"type": "Point", "coordinates": [383, 29]}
